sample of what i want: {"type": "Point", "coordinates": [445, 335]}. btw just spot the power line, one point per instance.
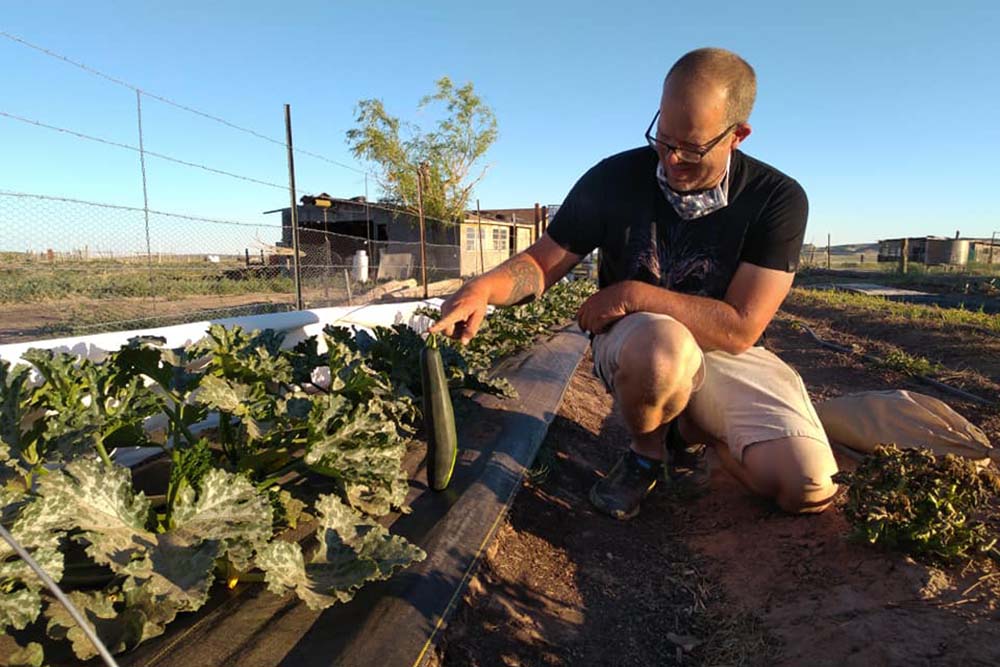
{"type": "Point", "coordinates": [240, 223]}
{"type": "Point", "coordinates": [134, 209]}
{"type": "Point", "coordinates": [161, 156]}
{"type": "Point", "coordinates": [183, 107]}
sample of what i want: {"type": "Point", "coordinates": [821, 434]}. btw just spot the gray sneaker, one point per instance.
{"type": "Point", "coordinates": [629, 482]}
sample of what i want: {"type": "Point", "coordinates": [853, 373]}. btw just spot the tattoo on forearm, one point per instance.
{"type": "Point", "coordinates": [527, 281]}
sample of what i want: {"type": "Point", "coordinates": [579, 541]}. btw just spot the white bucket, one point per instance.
{"type": "Point", "coordinates": [360, 266]}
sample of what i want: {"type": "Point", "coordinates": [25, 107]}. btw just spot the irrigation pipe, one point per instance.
{"type": "Point", "coordinates": [54, 587]}
{"type": "Point", "coordinates": [947, 388]}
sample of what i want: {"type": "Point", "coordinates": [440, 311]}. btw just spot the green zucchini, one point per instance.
{"type": "Point", "coordinates": [439, 417]}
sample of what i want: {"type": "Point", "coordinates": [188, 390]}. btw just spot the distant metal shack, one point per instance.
{"type": "Point", "coordinates": [333, 230]}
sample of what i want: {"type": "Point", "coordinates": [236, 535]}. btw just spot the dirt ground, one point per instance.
{"type": "Point", "coordinates": [726, 579]}
{"type": "Point", "coordinates": [80, 316]}
{"type": "Point", "coordinates": [52, 319]}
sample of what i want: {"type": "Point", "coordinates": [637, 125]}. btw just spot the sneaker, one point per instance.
{"type": "Point", "coordinates": [686, 465]}
{"type": "Point", "coordinates": [620, 493]}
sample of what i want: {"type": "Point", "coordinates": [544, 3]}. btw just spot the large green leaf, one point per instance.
{"type": "Point", "coordinates": [87, 404]}
{"type": "Point", "coordinates": [228, 510]}
{"type": "Point", "coordinates": [165, 573]}
{"type": "Point", "coordinates": [353, 551]}
{"type": "Point", "coordinates": [19, 584]}
{"type": "Point", "coordinates": [20, 602]}
{"type": "Point", "coordinates": [118, 632]}
{"type": "Point", "coordinates": [18, 608]}
{"type": "Point", "coordinates": [226, 395]}
{"type": "Point", "coordinates": [360, 447]}
{"type": "Point", "coordinates": [100, 502]}
{"type": "Point", "coordinates": [251, 358]}
{"type": "Point", "coordinates": [14, 397]}
{"type": "Point", "coordinates": [31, 655]}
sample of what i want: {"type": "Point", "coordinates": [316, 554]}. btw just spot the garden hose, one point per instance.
{"type": "Point", "coordinates": [102, 650]}
{"type": "Point", "coordinates": [947, 388]}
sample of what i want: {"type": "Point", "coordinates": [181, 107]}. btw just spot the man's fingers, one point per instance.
{"type": "Point", "coordinates": [447, 322]}
{"type": "Point", "coordinates": [581, 317]}
{"type": "Point", "coordinates": [454, 324]}
{"type": "Point", "coordinates": [472, 325]}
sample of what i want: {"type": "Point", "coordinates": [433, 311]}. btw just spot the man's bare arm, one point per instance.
{"type": "Point", "coordinates": [527, 281]}
{"type": "Point", "coordinates": [520, 279]}
{"type": "Point", "coordinates": [732, 324]}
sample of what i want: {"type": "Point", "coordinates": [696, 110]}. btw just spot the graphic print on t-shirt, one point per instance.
{"type": "Point", "coordinates": [666, 256]}
{"type": "Point", "coordinates": [613, 206]}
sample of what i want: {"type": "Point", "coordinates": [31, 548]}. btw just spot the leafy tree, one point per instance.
{"type": "Point", "coordinates": [452, 151]}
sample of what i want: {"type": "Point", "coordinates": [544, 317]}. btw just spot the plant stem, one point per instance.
{"type": "Point", "coordinates": [296, 465]}
{"type": "Point", "coordinates": [99, 444]}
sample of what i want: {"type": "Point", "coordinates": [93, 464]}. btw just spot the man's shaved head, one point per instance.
{"type": "Point", "coordinates": [722, 68]}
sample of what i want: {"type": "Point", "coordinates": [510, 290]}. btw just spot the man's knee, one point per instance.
{"type": "Point", "coordinates": [659, 358]}
{"type": "Point", "coordinates": [796, 472]}
{"type": "Point", "coordinates": [806, 495]}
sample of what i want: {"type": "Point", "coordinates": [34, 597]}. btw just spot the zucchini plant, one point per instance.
{"type": "Point", "coordinates": [242, 419]}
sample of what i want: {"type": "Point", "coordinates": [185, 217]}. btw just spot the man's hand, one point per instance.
{"type": "Point", "coordinates": [462, 313]}
{"type": "Point", "coordinates": [607, 306]}
{"type": "Point", "coordinates": [520, 279]}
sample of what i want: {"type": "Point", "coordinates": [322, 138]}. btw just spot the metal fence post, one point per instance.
{"type": "Point", "coordinates": [145, 192]}
{"type": "Point", "coordinates": [423, 237]}
{"type": "Point", "coordinates": [295, 209]}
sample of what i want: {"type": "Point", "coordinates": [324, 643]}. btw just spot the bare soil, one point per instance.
{"type": "Point", "coordinates": [51, 319]}
{"type": "Point", "coordinates": [726, 579]}
{"type": "Point", "coordinates": [78, 316]}
{"type": "Point", "coordinates": [958, 348]}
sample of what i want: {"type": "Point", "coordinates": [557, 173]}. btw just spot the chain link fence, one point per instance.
{"type": "Point", "coordinates": [71, 267]}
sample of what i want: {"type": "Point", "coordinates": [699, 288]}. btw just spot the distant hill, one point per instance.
{"type": "Point", "coordinates": [844, 249]}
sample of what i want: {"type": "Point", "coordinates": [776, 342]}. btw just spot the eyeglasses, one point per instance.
{"type": "Point", "coordinates": [689, 155]}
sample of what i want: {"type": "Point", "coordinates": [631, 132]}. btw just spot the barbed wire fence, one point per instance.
{"type": "Point", "coordinates": [71, 266]}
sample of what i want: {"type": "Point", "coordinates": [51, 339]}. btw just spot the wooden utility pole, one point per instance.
{"type": "Point", "coordinates": [828, 252]}
{"type": "Point", "coordinates": [294, 210]}
{"type": "Point", "coordinates": [423, 238]}
{"type": "Point", "coordinates": [904, 256]}
{"type": "Point", "coordinates": [538, 221]}
{"type": "Point", "coordinates": [479, 231]}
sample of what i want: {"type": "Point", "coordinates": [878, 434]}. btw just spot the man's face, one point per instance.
{"type": "Point", "coordinates": [691, 116]}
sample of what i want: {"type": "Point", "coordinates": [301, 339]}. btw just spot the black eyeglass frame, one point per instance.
{"type": "Point", "coordinates": [701, 151]}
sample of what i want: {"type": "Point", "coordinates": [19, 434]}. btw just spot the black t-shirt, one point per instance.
{"type": "Point", "coordinates": [618, 206]}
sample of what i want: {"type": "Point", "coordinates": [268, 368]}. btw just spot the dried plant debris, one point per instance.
{"type": "Point", "coordinates": [938, 508]}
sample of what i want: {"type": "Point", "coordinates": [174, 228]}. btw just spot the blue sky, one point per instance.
{"type": "Point", "coordinates": [884, 111]}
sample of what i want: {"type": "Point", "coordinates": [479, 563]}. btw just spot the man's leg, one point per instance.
{"type": "Point", "coordinates": [795, 472]}
{"type": "Point", "coordinates": [653, 381]}
{"type": "Point", "coordinates": [756, 412]}
{"type": "Point", "coordinates": [650, 364]}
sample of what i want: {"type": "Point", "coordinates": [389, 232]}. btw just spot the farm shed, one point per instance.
{"type": "Point", "coordinates": [982, 251]}
{"type": "Point", "coordinates": [937, 250]}
{"type": "Point", "coordinates": [500, 238]}
{"type": "Point", "coordinates": [332, 230]}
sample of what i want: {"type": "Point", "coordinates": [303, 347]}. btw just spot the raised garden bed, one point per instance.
{"type": "Point", "coordinates": [337, 446]}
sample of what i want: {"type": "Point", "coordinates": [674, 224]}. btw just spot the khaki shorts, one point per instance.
{"type": "Point", "coordinates": [739, 399]}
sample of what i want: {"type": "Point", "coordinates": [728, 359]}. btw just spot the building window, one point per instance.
{"type": "Point", "coordinates": [500, 238]}
{"type": "Point", "coordinates": [470, 239]}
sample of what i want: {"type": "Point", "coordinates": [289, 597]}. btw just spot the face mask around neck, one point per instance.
{"type": "Point", "coordinates": [694, 205]}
